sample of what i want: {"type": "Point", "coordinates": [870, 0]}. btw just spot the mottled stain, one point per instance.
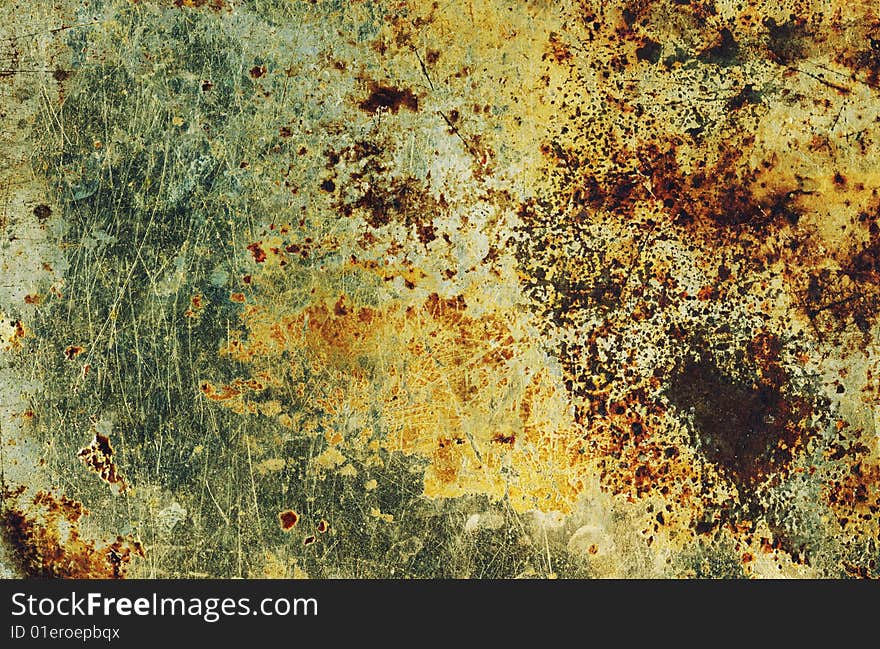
{"type": "Point", "coordinates": [98, 457]}
{"type": "Point", "coordinates": [389, 98]}
{"type": "Point", "coordinates": [579, 289]}
{"type": "Point", "coordinates": [45, 534]}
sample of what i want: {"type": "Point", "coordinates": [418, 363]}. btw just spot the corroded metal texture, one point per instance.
{"type": "Point", "coordinates": [440, 289]}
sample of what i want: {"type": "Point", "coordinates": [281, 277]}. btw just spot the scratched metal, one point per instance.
{"type": "Point", "coordinates": [440, 289]}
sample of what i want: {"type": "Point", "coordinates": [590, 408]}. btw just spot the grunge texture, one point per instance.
{"type": "Point", "coordinates": [470, 288]}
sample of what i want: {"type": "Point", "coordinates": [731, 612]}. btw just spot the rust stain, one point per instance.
{"type": "Point", "coordinates": [73, 351]}
{"type": "Point", "coordinates": [98, 456]}
{"type": "Point", "coordinates": [390, 98]}
{"type": "Point", "coordinates": [45, 532]}
{"type": "Point", "coordinates": [288, 519]}
{"type": "Point", "coordinates": [214, 5]}
{"type": "Point", "coordinates": [750, 428]}
{"type": "Point", "coordinates": [258, 253]}
{"type": "Point", "coordinates": [610, 268]}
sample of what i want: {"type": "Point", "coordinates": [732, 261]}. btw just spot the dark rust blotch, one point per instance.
{"type": "Point", "coordinates": [750, 428]}
{"type": "Point", "coordinates": [42, 212]}
{"type": "Point", "coordinates": [257, 252]}
{"type": "Point", "coordinates": [46, 541]}
{"type": "Point", "coordinates": [288, 519]}
{"type": "Point", "coordinates": [389, 97]}
{"type": "Point", "coordinates": [98, 456]}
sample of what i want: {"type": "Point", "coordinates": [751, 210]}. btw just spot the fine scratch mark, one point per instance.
{"type": "Point", "coordinates": [457, 133]}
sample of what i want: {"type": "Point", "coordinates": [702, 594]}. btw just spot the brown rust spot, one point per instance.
{"type": "Point", "coordinates": [404, 200]}
{"type": "Point", "coordinates": [196, 304]}
{"type": "Point", "coordinates": [726, 199]}
{"type": "Point", "coordinates": [389, 97]}
{"type": "Point", "coordinates": [865, 62]}
{"type": "Point", "coordinates": [557, 49]}
{"type": "Point", "coordinates": [621, 439]}
{"type": "Point", "coordinates": [73, 351]}
{"type": "Point", "coordinates": [42, 212]}
{"type": "Point", "coordinates": [98, 456]}
{"type": "Point", "coordinates": [224, 393]}
{"type": "Point", "coordinates": [448, 309]}
{"type": "Point", "coordinates": [847, 291]}
{"type": "Point", "coordinates": [853, 493]}
{"type": "Point", "coordinates": [725, 195]}
{"type": "Point", "coordinates": [501, 438]}
{"type": "Point", "coordinates": [214, 5]}
{"type": "Point", "coordinates": [288, 519]}
{"type": "Point", "coordinates": [339, 309]}
{"type": "Point", "coordinates": [257, 251]}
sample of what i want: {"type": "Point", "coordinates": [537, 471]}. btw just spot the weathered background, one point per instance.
{"type": "Point", "coordinates": [440, 289]}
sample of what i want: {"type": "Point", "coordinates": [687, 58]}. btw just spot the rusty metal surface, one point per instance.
{"type": "Point", "coordinates": [440, 289]}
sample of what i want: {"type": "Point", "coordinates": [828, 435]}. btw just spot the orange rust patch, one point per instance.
{"type": "Point", "coordinates": [225, 392]}
{"type": "Point", "coordinates": [45, 534]}
{"type": "Point", "coordinates": [72, 352]}
{"type": "Point", "coordinates": [344, 340]}
{"type": "Point", "coordinates": [443, 364]}
{"type": "Point", "coordinates": [257, 252]}
{"type": "Point", "coordinates": [214, 5]}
